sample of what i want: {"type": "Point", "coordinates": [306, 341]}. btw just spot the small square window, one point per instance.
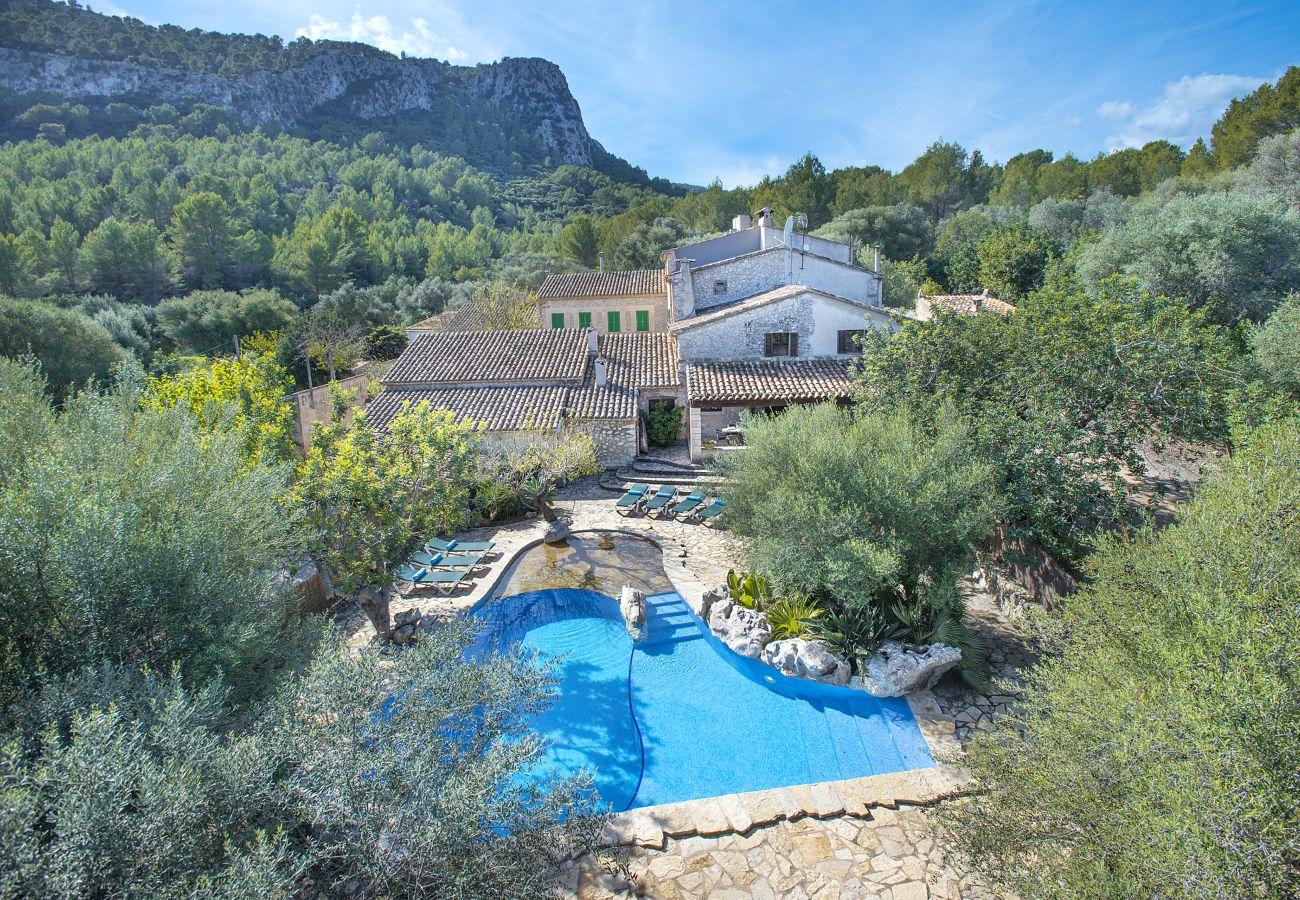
{"type": "Point", "coordinates": [850, 341]}
{"type": "Point", "coordinates": [719, 287]}
{"type": "Point", "coordinates": [781, 343]}
{"type": "Point", "coordinates": [557, 320]}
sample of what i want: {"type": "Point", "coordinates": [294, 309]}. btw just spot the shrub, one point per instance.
{"type": "Point", "coordinates": [385, 342]}
{"type": "Point", "coordinates": [792, 617]}
{"type": "Point", "coordinates": [663, 424]}
{"type": "Point", "coordinates": [70, 347]}
{"type": "Point", "coordinates": [1157, 748]}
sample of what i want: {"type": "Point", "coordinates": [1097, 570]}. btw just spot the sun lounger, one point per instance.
{"type": "Point", "coordinates": [685, 505]}
{"type": "Point", "coordinates": [712, 511]}
{"type": "Point", "coordinates": [438, 545]}
{"type": "Point", "coordinates": [446, 560]}
{"type": "Point", "coordinates": [632, 499]}
{"type": "Point", "coordinates": [661, 498]}
{"type": "Point", "coordinates": [408, 576]}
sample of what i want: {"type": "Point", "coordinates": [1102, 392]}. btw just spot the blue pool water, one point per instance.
{"type": "Point", "coordinates": [678, 716]}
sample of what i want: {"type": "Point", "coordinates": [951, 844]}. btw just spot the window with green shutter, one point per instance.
{"type": "Point", "coordinates": [615, 321]}
{"type": "Point", "coordinates": [584, 320]}
{"type": "Point", "coordinates": [643, 320]}
{"type": "Point", "coordinates": [557, 320]}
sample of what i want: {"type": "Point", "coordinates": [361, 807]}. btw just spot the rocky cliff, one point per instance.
{"type": "Point", "coordinates": [530, 97]}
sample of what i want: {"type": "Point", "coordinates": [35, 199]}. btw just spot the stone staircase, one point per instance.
{"type": "Point", "coordinates": [657, 470]}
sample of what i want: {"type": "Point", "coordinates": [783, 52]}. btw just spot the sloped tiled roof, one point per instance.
{"type": "Point", "coordinates": [641, 359]}
{"type": "Point", "coordinates": [628, 283]}
{"type": "Point", "coordinates": [463, 318]}
{"type": "Point", "coordinates": [470, 374]}
{"type": "Point", "coordinates": [498, 408]}
{"type": "Point", "coordinates": [468, 357]}
{"type": "Point", "coordinates": [969, 304]}
{"type": "Point", "coordinates": [735, 381]}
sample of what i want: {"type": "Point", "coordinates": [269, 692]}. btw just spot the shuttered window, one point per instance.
{"type": "Point", "coordinates": [781, 343]}
{"type": "Point", "coordinates": [557, 320]}
{"type": "Point", "coordinates": [615, 321]}
{"type": "Point", "coordinates": [584, 320]}
{"type": "Point", "coordinates": [643, 320]}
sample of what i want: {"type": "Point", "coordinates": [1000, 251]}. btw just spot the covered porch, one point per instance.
{"type": "Point", "coordinates": [719, 392]}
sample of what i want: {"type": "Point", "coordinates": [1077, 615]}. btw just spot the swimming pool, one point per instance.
{"type": "Point", "coordinates": [679, 716]}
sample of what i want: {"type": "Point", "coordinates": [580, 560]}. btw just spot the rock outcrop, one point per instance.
{"type": "Point", "coordinates": [743, 630]}
{"type": "Point", "coordinates": [530, 95]}
{"type": "Point", "coordinates": [631, 603]}
{"type": "Point", "coordinates": [807, 659]}
{"type": "Point", "coordinates": [897, 669]}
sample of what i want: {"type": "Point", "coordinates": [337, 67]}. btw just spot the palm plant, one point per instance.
{"type": "Point", "coordinates": [792, 617]}
{"type": "Point", "coordinates": [750, 591]}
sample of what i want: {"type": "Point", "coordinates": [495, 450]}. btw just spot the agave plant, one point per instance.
{"type": "Point", "coordinates": [855, 631]}
{"type": "Point", "coordinates": [792, 617]}
{"type": "Point", "coordinates": [923, 622]}
{"type": "Point", "coordinates": [750, 591]}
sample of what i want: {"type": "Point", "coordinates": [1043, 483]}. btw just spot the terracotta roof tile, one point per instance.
{"type": "Point", "coordinates": [498, 408]}
{"type": "Point", "coordinates": [968, 304]}
{"type": "Point", "coordinates": [641, 359]}
{"type": "Point", "coordinates": [603, 284]}
{"type": "Point", "coordinates": [469, 357]}
{"type": "Point", "coordinates": [463, 318]}
{"type": "Point", "coordinates": [734, 381]}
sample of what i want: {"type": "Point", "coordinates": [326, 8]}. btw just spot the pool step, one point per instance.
{"type": "Point", "coordinates": [823, 763]}
{"type": "Point", "coordinates": [669, 621]}
{"type": "Point", "coordinates": [854, 759]}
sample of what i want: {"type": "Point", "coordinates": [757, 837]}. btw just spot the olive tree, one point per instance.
{"type": "Point", "coordinates": [135, 534]}
{"type": "Point", "coordinates": [368, 499]}
{"type": "Point", "coordinates": [1233, 255]}
{"type": "Point", "coordinates": [1156, 752]}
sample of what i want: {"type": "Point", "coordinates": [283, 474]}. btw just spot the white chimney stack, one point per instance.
{"type": "Point", "coordinates": [602, 372]}
{"type": "Point", "coordinates": [600, 262]}
{"type": "Point", "coordinates": [741, 222]}
{"type": "Point", "coordinates": [765, 216]}
{"type": "Point", "coordinates": [593, 341]}
{"type": "Point", "coordinates": [875, 258]}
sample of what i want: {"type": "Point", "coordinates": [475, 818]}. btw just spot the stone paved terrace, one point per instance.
{"type": "Point", "coordinates": [853, 840]}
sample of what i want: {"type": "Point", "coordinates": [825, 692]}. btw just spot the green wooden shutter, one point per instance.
{"type": "Point", "coordinates": [615, 321]}
{"type": "Point", "coordinates": [643, 320]}
{"type": "Point", "coordinates": [557, 320]}
{"type": "Point", "coordinates": [584, 320]}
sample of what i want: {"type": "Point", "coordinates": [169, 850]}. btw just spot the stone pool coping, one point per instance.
{"type": "Point", "coordinates": [651, 826]}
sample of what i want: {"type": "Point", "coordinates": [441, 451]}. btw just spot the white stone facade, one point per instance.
{"type": "Point", "coordinates": [815, 317]}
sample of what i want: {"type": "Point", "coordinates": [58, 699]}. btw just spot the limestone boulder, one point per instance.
{"type": "Point", "coordinates": [717, 595]}
{"type": "Point", "coordinates": [801, 658]}
{"type": "Point", "coordinates": [632, 604]}
{"type": "Point", "coordinates": [557, 532]}
{"type": "Point", "coordinates": [743, 630]}
{"type": "Point", "coordinates": [897, 669]}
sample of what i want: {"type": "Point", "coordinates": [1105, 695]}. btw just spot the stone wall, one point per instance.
{"type": "Point", "coordinates": [816, 319]}
{"type": "Point", "coordinates": [312, 407]}
{"type": "Point", "coordinates": [616, 441]}
{"type": "Point", "coordinates": [1012, 566]}
{"type": "Point", "coordinates": [757, 273]}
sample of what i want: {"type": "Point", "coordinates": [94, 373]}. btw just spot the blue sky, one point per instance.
{"type": "Point", "coordinates": [694, 90]}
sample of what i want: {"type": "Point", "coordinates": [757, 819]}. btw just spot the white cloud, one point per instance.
{"type": "Point", "coordinates": [1114, 109]}
{"type": "Point", "coordinates": [415, 39]}
{"type": "Point", "coordinates": [1184, 111]}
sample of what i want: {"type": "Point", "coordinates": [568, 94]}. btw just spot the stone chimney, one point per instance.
{"type": "Point", "coordinates": [593, 340]}
{"type": "Point", "coordinates": [602, 372]}
{"type": "Point", "coordinates": [600, 262]}
{"type": "Point", "coordinates": [765, 217]}
{"type": "Point", "coordinates": [741, 222]}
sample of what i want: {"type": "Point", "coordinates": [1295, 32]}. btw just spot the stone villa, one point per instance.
{"type": "Point", "coordinates": [755, 319]}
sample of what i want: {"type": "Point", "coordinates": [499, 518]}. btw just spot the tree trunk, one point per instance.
{"type": "Point", "coordinates": [375, 602]}
{"type": "Point", "coordinates": [548, 514]}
